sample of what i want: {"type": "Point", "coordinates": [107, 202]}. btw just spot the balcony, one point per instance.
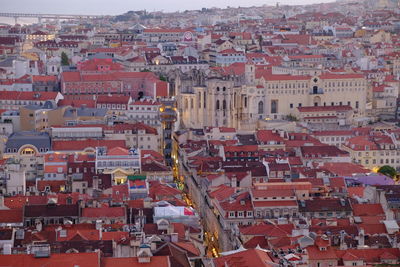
{"type": "Point", "coordinates": [316, 91]}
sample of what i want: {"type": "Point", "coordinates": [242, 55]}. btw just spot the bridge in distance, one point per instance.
{"type": "Point", "coordinates": [47, 16]}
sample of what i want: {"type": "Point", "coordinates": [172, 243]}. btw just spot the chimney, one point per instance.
{"type": "Point", "coordinates": [343, 245]}
{"type": "Point", "coordinates": [174, 237]}
{"type": "Point", "coordinates": [361, 238]}
{"type": "Point", "coordinates": [7, 249]}
{"type": "Point", "coordinates": [144, 254]}
{"type": "Point", "coordinates": [99, 225]}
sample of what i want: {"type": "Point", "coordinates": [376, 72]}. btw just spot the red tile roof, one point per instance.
{"type": "Point", "coordinates": [91, 259]}
{"type": "Point", "coordinates": [40, 96]}
{"type": "Point", "coordinates": [344, 168]}
{"type": "Point", "coordinates": [372, 229]}
{"type": "Point", "coordinates": [80, 145]}
{"type": "Point", "coordinates": [44, 78]}
{"type": "Point", "coordinates": [159, 261]}
{"type": "Point", "coordinates": [269, 230]}
{"type": "Point", "coordinates": [242, 202]}
{"type": "Point", "coordinates": [268, 136]}
{"type": "Point", "coordinates": [11, 216]}
{"type": "Point", "coordinates": [250, 257]}
{"type": "Point", "coordinates": [109, 212]}
{"type": "Point", "coordinates": [368, 210]}
{"type": "Point", "coordinates": [222, 192]}
{"type": "Point", "coordinates": [356, 191]}
{"type": "Point", "coordinates": [315, 254]}
{"type": "Point", "coordinates": [116, 236]}
{"type": "Point", "coordinates": [113, 99]}
{"type": "Point", "coordinates": [77, 103]}
{"type": "Point", "coordinates": [255, 241]}
{"type": "Point", "coordinates": [370, 256]}
{"type": "Point", "coordinates": [322, 151]}
{"type": "Point", "coordinates": [17, 202]}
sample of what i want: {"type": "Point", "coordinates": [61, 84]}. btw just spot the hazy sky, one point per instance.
{"type": "Point", "coordinates": [112, 7]}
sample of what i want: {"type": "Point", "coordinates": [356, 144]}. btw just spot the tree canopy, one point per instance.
{"type": "Point", "coordinates": [388, 171]}
{"type": "Point", "coordinates": [64, 59]}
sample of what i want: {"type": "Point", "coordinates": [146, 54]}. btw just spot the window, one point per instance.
{"type": "Point", "coordinates": [260, 107]}
{"type": "Point", "coordinates": [199, 99]}
{"type": "Point", "coordinates": [274, 106]}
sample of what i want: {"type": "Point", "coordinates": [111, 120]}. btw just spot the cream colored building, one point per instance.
{"type": "Point", "coordinates": [373, 151]}
{"type": "Point", "coordinates": [39, 118]}
{"type": "Point", "coordinates": [241, 100]}
{"type": "Point", "coordinates": [284, 93]}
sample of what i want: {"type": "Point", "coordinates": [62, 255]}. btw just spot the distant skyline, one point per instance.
{"type": "Point", "coordinates": [114, 7]}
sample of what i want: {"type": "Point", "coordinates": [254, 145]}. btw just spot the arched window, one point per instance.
{"type": "Point", "coordinates": [274, 106]}
{"type": "Point", "coordinates": [224, 105]}
{"type": "Point", "coordinates": [191, 103]}
{"type": "Point", "coordinates": [260, 107]}
{"type": "Point", "coordinates": [204, 99]}
{"type": "Point", "coordinates": [27, 151]}
{"type": "Point", "coordinates": [245, 102]}
{"type": "Point", "coordinates": [217, 88]}
{"type": "Point", "coordinates": [186, 104]}
{"type": "Point", "coordinates": [224, 88]}
{"type": "Point", "coordinates": [217, 105]}
{"type": "Point", "coordinates": [199, 100]}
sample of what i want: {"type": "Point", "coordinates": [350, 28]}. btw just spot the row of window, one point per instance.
{"type": "Point", "coordinates": [294, 92]}
{"type": "Point", "coordinates": [332, 138]}
{"type": "Point", "coordinates": [117, 163]}
{"type": "Point", "coordinates": [266, 198]}
{"type": "Point", "coordinates": [143, 108]}
{"type": "Point", "coordinates": [21, 102]}
{"type": "Point", "coordinates": [382, 161]}
{"type": "Point", "coordinates": [305, 85]}
{"type": "Point", "coordinates": [240, 214]}
{"type": "Point", "coordinates": [85, 169]}
{"type": "Point", "coordinates": [112, 106]}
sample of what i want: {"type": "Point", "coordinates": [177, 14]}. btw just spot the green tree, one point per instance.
{"type": "Point", "coordinates": [162, 78]}
{"type": "Point", "coordinates": [260, 42]}
{"type": "Point", "coordinates": [64, 59]}
{"type": "Point", "coordinates": [388, 171]}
